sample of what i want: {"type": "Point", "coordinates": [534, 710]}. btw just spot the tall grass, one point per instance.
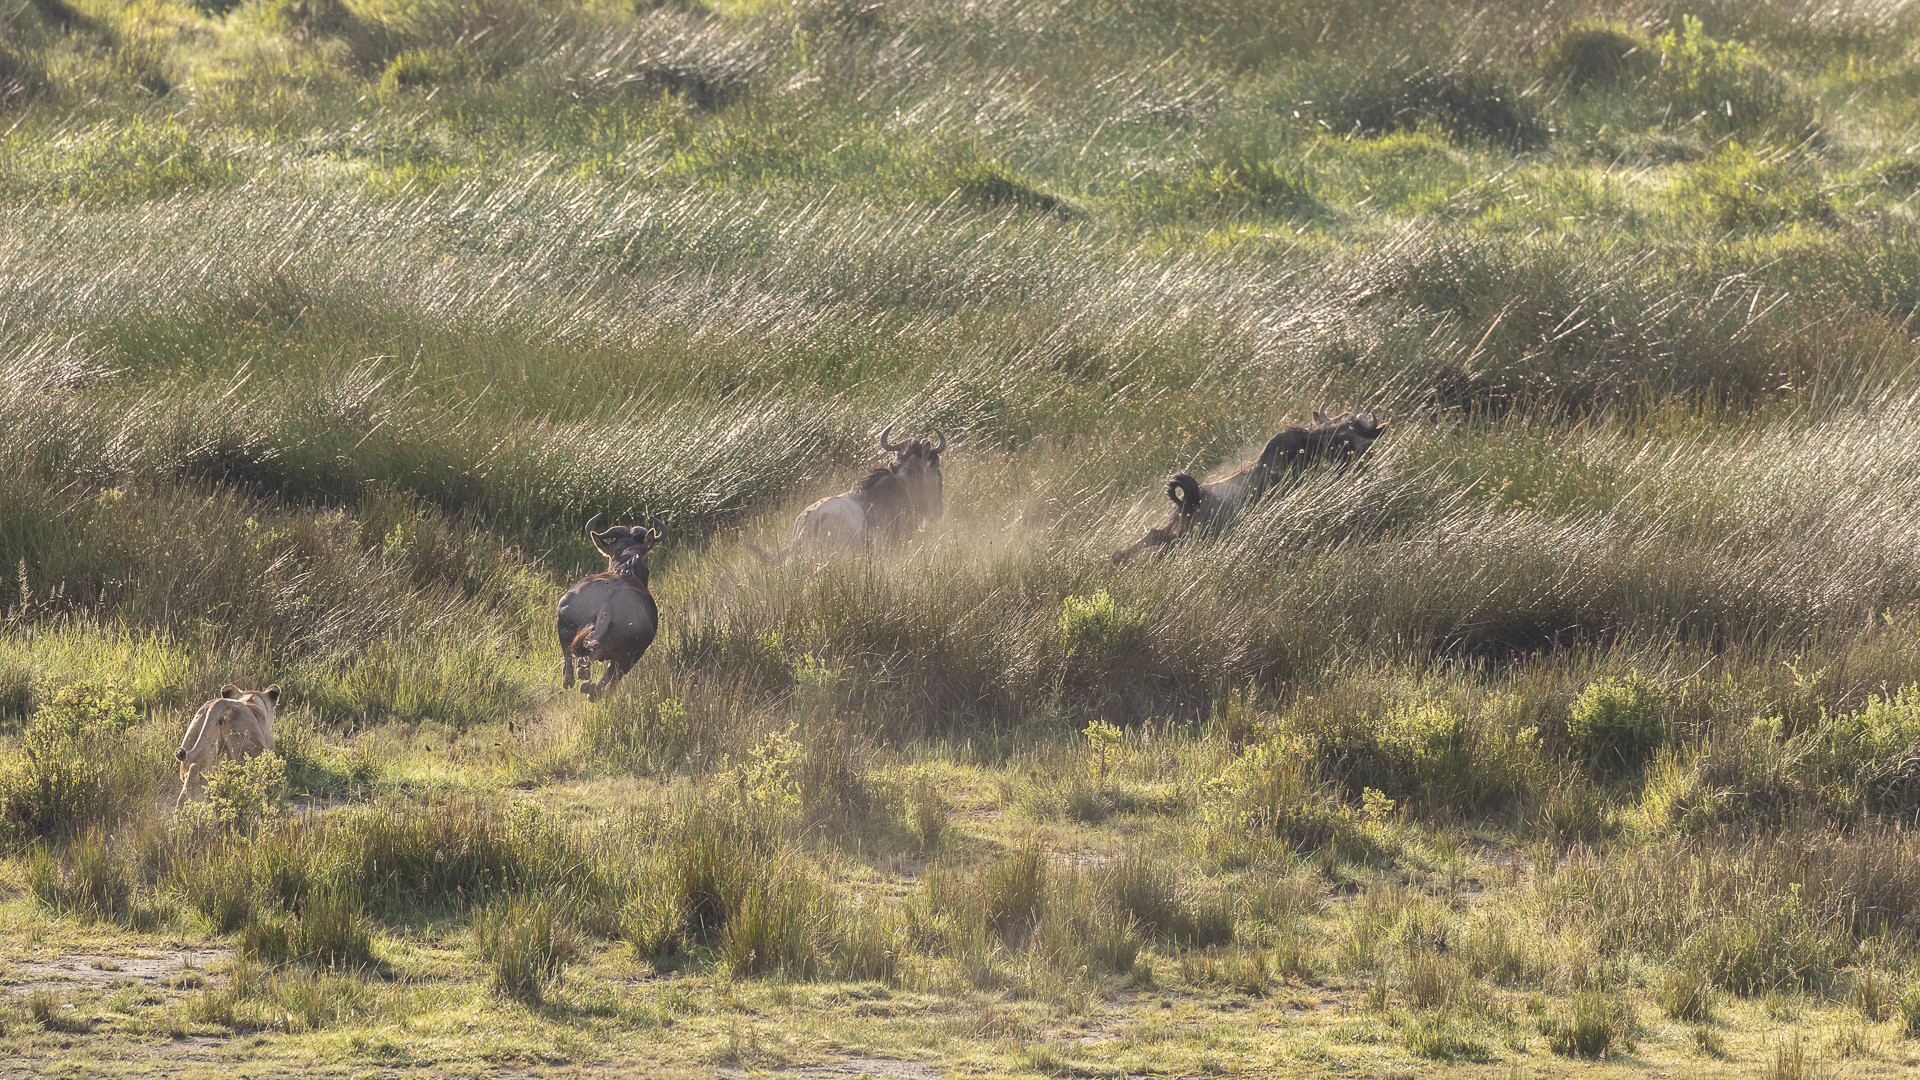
{"type": "Point", "coordinates": [319, 387]}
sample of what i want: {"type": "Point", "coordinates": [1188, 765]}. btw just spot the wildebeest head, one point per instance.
{"type": "Point", "coordinates": [916, 462]}
{"type": "Point", "coordinates": [626, 546]}
{"type": "Point", "coordinates": [1352, 433]}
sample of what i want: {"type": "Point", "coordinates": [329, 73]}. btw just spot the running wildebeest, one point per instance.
{"type": "Point", "coordinates": [890, 504]}
{"type": "Point", "coordinates": [1340, 439]}
{"type": "Point", "coordinates": [610, 616]}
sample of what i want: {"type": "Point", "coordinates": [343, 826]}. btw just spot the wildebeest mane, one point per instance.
{"type": "Point", "coordinates": [874, 479]}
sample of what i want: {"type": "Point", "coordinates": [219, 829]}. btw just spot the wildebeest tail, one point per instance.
{"type": "Point", "coordinates": [587, 641]}
{"type": "Point", "coordinates": [1184, 490]}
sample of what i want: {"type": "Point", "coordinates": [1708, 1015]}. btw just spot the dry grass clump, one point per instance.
{"type": "Point", "coordinates": [1598, 54]}
{"type": "Point", "coordinates": [528, 943]}
{"type": "Point", "coordinates": [87, 879]}
{"type": "Point", "coordinates": [1596, 1024]}
{"type": "Point", "coordinates": [1750, 916]}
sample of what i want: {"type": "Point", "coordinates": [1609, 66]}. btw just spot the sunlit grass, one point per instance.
{"type": "Point", "coordinates": [1575, 722]}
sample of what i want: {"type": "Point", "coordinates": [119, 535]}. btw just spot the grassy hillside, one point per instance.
{"type": "Point", "coordinates": [1577, 730]}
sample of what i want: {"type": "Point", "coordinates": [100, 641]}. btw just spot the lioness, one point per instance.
{"type": "Point", "coordinates": [238, 724]}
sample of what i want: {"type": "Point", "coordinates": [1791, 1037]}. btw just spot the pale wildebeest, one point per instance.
{"type": "Point", "coordinates": [1340, 439]}
{"type": "Point", "coordinates": [890, 504]}
{"type": "Point", "coordinates": [238, 724]}
{"type": "Point", "coordinates": [610, 617]}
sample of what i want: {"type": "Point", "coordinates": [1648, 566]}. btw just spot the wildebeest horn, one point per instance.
{"type": "Point", "coordinates": [886, 442]}
{"type": "Point", "coordinates": [943, 440]}
{"type": "Point", "coordinates": [659, 530]}
{"type": "Point", "coordinates": [591, 522]}
{"type": "Point", "coordinates": [1320, 414]}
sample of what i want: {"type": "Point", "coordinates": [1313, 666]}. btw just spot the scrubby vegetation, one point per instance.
{"type": "Point", "coordinates": [1581, 722]}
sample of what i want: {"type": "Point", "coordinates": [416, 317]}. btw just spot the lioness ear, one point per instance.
{"type": "Point", "coordinates": [273, 693]}
{"type": "Point", "coordinates": [229, 691]}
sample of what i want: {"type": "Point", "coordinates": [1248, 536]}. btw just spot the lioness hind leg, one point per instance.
{"type": "Point", "coordinates": [189, 783]}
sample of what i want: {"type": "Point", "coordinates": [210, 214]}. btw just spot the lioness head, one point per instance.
{"type": "Point", "coordinates": [263, 700]}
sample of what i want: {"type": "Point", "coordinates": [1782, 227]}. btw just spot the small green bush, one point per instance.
{"type": "Point", "coordinates": [1598, 53]}
{"type": "Point", "coordinates": [764, 780]}
{"type": "Point", "coordinates": [1269, 791]}
{"type": "Point", "coordinates": [1099, 624]}
{"type": "Point", "coordinates": [1721, 84]}
{"type": "Point", "coordinates": [1741, 189]}
{"type": "Point", "coordinates": [1865, 759]}
{"type": "Point", "coordinates": [71, 770]}
{"type": "Point", "coordinates": [242, 794]}
{"type": "Point", "coordinates": [1615, 725]}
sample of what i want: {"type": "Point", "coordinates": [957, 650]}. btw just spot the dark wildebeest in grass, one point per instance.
{"type": "Point", "coordinates": [890, 504]}
{"type": "Point", "coordinates": [610, 617]}
{"type": "Point", "coordinates": [1339, 439]}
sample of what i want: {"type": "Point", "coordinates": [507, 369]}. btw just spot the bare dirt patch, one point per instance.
{"type": "Point", "coordinates": [852, 1069]}
{"type": "Point", "coordinates": [153, 967]}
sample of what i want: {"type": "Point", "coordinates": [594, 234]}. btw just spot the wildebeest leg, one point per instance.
{"type": "Point", "coordinates": [1154, 538]}
{"type": "Point", "coordinates": [615, 672]}
{"type": "Point", "coordinates": [566, 665]}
